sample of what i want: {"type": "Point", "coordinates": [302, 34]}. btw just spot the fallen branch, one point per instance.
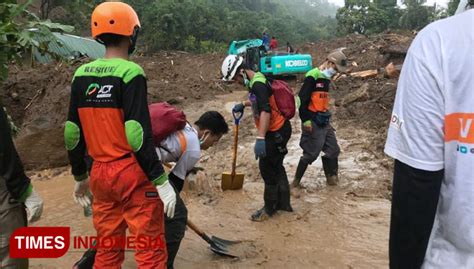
{"type": "Point", "coordinates": [38, 93]}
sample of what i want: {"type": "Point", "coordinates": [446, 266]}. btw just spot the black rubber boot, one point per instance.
{"type": "Point", "coordinates": [330, 167]}
{"type": "Point", "coordinates": [302, 166]}
{"type": "Point", "coordinates": [270, 197]}
{"type": "Point", "coordinates": [87, 260]}
{"type": "Point", "coordinates": [284, 203]}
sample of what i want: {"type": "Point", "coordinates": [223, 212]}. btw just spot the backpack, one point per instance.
{"type": "Point", "coordinates": [284, 98]}
{"type": "Point", "coordinates": [165, 120]}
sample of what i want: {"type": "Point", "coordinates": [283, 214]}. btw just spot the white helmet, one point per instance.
{"type": "Point", "coordinates": [230, 65]}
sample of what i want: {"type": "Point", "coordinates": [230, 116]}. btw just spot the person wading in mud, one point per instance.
{"type": "Point", "coordinates": [182, 147]}
{"type": "Point", "coordinates": [108, 116]}
{"type": "Point", "coordinates": [318, 134]}
{"type": "Point", "coordinates": [16, 194]}
{"type": "Point", "coordinates": [273, 134]}
{"type": "Point", "coordinates": [431, 138]}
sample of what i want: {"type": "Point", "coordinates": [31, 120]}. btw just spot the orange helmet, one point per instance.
{"type": "Point", "coordinates": [114, 18]}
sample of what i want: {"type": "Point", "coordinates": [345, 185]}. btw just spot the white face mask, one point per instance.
{"type": "Point", "coordinates": [201, 141]}
{"type": "Point", "coordinates": [329, 72]}
{"type": "Point", "coordinates": [246, 80]}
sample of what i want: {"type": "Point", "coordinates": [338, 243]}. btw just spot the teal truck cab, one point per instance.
{"type": "Point", "coordinates": [271, 63]}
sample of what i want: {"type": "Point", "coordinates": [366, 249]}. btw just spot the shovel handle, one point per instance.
{"type": "Point", "coordinates": [237, 116]}
{"type": "Point", "coordinates": [236, 141]}
{"type": "Point", "coordinates": [195, 228]}
{"type": "Point", "coordinates": [202, 234]}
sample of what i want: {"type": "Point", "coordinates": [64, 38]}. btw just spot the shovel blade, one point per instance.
{"type": "Point", "coordinates": [223, 242]}
{"type": "Point", "coordinates": [230, 182]}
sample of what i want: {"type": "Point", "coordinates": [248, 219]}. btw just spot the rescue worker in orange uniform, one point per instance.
{"type": "Point", "coordinates": [108, 116]}
{"type": "Point", "coordinates": [318, 134]}
{"type": "Point", "coordinates": [273, 133]}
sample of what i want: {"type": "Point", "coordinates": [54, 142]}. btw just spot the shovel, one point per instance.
{"type": "Point", "coordinates": [218, 245]}
{"type": "Point", "coordinates": [233, 181]}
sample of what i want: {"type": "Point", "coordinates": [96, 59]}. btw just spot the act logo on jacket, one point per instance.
{"type": "Point", "coordinates": [104, 91]}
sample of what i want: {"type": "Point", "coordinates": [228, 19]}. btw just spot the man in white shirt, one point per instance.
{"type": "Point", "coordinates": [431, 138]}
{"type": "Point", "coordinates": [184, 149]}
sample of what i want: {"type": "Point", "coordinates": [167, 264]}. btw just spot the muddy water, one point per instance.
{"type": "Point", "coordinates": [332, 227]}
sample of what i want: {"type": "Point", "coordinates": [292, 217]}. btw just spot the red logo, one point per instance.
{"type": "Point", "coordinates": [39, 242]}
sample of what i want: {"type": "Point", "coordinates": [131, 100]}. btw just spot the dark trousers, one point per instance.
{"type": "Point", "coordinates": [320, 139]}
{"type": "Point", "coordinates": [175, 227]}
{"type": "Point", "coordinates": [12, 217]}
{"type": "Point", "coordinates": [271, 167]}
{"type": "Point", "coordinates": [415, 195]}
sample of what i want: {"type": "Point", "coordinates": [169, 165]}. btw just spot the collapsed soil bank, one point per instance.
{"type": "Point", "coordinates": [37, 98]}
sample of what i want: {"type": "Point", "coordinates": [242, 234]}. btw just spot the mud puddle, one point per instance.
{"type": "Point", "coordinates": [332, 227]}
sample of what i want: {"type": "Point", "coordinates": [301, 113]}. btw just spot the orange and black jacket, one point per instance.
{"type": "Point", "coordinates": [264, 100]}
{"type": "Point", "coordinates": [11, 169]}
{"type": "Point", "coordinates": [108, 116]}
{"type": "Point", "coordinates": [314, 95]}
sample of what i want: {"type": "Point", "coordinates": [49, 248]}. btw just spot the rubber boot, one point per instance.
{"type": "Point", "coordinates": [330, 167]}
{"type": "Point", "coordinates": [284, 196]}
{"type": "Point", "coordinates": [270, 197]}
{"type": "Point", "coordinates": [87, 260]}
{"type": "Point", "coordinates": [302, 166]}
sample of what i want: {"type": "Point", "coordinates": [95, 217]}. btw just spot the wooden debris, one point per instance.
{"type": "Point", "coordinates": [360, 95]}
{"type": "Point", "coordinates": [395, 50]}
{"type": "Point", "coordinates": [365, 74]}
{"type": "Point", "coordinates": [392, 71]}
{"type": "Point", "coordinates": [38, 93]}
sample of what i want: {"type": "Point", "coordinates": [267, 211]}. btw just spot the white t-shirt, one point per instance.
{"type": "Point", "coordinates": [170, 151]}
{"type": "Point", "coordinates": [432, 128]}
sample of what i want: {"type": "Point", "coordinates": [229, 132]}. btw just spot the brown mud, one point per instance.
{"type": "Point", "coordinates": [332, 227]}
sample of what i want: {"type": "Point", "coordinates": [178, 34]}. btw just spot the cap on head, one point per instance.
{"type": "Point", "coordinates": [114, 18]}
{"type": "Point", "coordinates": [340, 59]}
{"type": "Point", "coordinates": [230, 66]}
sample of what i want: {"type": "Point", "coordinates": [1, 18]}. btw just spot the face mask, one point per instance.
{"type": "Point", "coordinates": [201, 141]}
{"type": "Point", "coordinates": [329, 72]}
{"type": "Point", "coordinates": [246, 80]}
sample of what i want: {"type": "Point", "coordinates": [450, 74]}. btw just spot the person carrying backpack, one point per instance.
{"type": "Point", "coordinates": [318, 134]}
{"type": "Point", "coordinates": [274, 131]}
{"type": "Point", "coordinates": [183, 147]}
{"type": "Point", "coordinates": [176, 141]}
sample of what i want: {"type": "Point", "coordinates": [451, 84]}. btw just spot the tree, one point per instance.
{"type": "Point", "coordinates": [416, 15]}
{"type": "Point", "coordinates": [367, 17]}
{"type": "Point", "coordinates": [452, 6]}
{"type": "Point", "coordinates": [16, 36]}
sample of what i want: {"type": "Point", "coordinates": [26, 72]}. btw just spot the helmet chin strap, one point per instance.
{"type": "Point", "coordinates": [133, 40]}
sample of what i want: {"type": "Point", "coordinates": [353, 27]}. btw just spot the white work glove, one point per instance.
{"type": "Point", "coordinates": [168, 197]}
{"type": "Point", "coordinates": [82, 194]}
{"type": "Point", "coordinates": [34, 206]}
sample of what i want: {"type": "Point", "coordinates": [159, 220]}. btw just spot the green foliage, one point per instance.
{"type": "Point", "coordinates": [208, 25]}
{"type": "Point", "coordinates": [367, 17]}
{"type": "Point", "coordinates": [204, 25]}
{"type": "Point", "coordinates": [452, 6]}
{"type": "Point", "coordinates": [375, 16]}
{"type": "Point", "coordinates": [18, 26]}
